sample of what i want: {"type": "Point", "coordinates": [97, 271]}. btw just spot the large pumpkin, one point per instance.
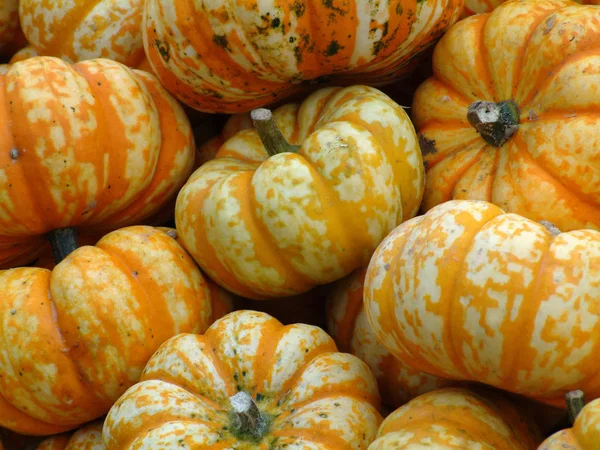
{"type": "Point", "coordinates": [248, 382]}
{"type": "Point", "coordinates": [470, 292]}
{"type": "Point", "coordinates": [483, 6]}
{"type": "Point", "coordinates": [233, 56]}
{"type": "Point", "coordinates": [94, 145]}
{"type": "Point", "coordinates": [277, 226]}
{"type": "Point", "coordinates": [73, 339]}
{"type": "Point", "coordinates": [508, 116]}
{"type": "Point", "coordinates": [456, 418]}
{"type": "Point", "coordinates": [85, 29]}
{"type": "Point", "coordinates": [347, 323]}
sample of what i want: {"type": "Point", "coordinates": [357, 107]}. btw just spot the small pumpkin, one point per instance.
{"type": "Point", "coordinates": [248, 381]}
{"type": "Point", "coordinates": [235, 56]}
{"type": "Point", "coordinates": [85, 29]}
{"type": "Point", "coordinates": [348, 325]}
{"type": "Point", "coordinates": [585, 432]}
{"type": "Point", "coordinates": [95, 319]}
{"type": "Point", "coordinates": [457, 418]}
{"type": "Point", "coordinates": [508, 115]}
{"type": "Point", "coordinates": [469, 292]}
{"type": "Point", "coordinates": [484, 6]}
{"type": "Point", "coordinates": [94, 145]}
{"type": "Point", "coordinates": [88, 437]}
{"type": "Point", "coordinates": [271, 226]}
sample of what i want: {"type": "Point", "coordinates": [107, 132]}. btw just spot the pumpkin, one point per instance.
{"type": "Point", "coordinates": [272, 226]}
{"type": "Point", "coordinates": [483, 6]}
{"type": "Point", "coordinates": [348, 325]}
{"type": "Point", "coordinates": [235, 56]}
{"type": "Point", "coordinates": [507, 116]}
{"type": "Point", "coordinates": [88, 437]}
{"type": "Point", "coordinates": [457, 418]}
{"type": "Point", "coordinates": [585, 432]}
{"type": "Point", "coordinates": [95, 320]}
{"type": "Point", "coordinates": [469, 292]}
{"type": "Point", "coordinates": [248, 382]}
{"type": "Point", "coordinates": [11, 36]}
{"type": "Point", "coordinates": [94, 145]}
{"type": "Point", "coordinates": [85, 29]}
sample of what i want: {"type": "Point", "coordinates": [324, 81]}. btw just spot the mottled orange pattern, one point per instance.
{"type": "Point", "coordinates": [279, 226]}
{"type": "Point", "coordinates": [94, 145]}
{"type": "Point", "coordinates": [77, 30]}
{"type": "Point", "coordinates": [348, 325]}
{"type": "Point", "coordinates": [88, 437]}
{"type": "Point", "coordinates": [317, 398]}
{"type": "Point", "coordinates": [585, 434]}
{"type": "Point", "coordinates": [454, 418]}
{"type": "Point", "coordinates": [545, 56]}
{"type": "Point", "coordinates": [236, 55]}
{"type": "Point", "coordinates": [470, 292]}
{"type": "Point", "coordinates": [483, 6]}
{"type": "Point", "coordinates": [73, 339]}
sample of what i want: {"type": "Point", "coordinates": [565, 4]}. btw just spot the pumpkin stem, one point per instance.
{"type": "Point", "coordinates": [552, 229]}
{"type": "Point", "coordinates": [247, 422]}
{"type": "Point", "coordinates": [495, 122]}
{"type": "Point", "coordinates": [269, 134]}
{"type": "Point", "coordinates": [575, 403]}
{"type": "Point", "coordinates": [62, 241]}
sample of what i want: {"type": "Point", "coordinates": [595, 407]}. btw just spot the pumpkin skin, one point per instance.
{"type": "Point", "coordinates": [95, 319]}
{"type": "Point", "coordinates": [85, 29]}
{"type": "Point", "coordinates": [109, 148]}
{"type": "Point", "coordinates": [306, 218]}
{"type": "Point", "coordinates": [457, 418]}
{"type": "Point", "coordinates": [483, 6]}
{"type": "Point", "coordinates": [469, 292]}
{"type": "Point", "coordinates": [348, 325]}
{"type": "Point", "coordinates": [539, 55]}
{"type": "Point", "coordinates": [235, 56]}
{"type": "Point", "coordinates": [584, 435]}
{"type": "Point", "coordinates": [316, 396]}
{"type": "Point", "coordinates": [88, 437]}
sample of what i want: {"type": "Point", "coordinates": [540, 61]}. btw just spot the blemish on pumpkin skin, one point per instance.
{"type": "Point", "coordinates": [427, 146]}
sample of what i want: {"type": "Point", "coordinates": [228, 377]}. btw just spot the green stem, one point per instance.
{"type": "Point", "coordinates": [269, 134]}
{"type": "Point", "coordinates": [495, 122]}
{"type": "Point", "coordinates": [63, 241]}
{"type": "Point", "coordinates": [247, 422]}
{"type": "Point", "coordinates": [575, 403]}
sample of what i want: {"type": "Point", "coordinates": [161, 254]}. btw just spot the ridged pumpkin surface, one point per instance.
{"type": "Point", "coordinates": [77, 30]}
{"type": "Point", "coordinates": [483, 6]}
{"type": "Point", "coordinates": [545, 56]}
{"type": "Point", "coordinates": [316, 397]}
{"type": "Point", "coordinates": [88, 437]}
{"type": "Point", "coordinates": [233, 56]}
{"type": "Point", "coordinates": [348, 325]}
{"type": "Point", "coordinates": [73, 339]}
{"type": "Point", "coordinates": [94, 144]}
{"type": "Point", "coordinates": [584, 435]}
{"type": "Point", "coordinates": [279, 226]}
{"type": "Point", "coordinates": [454, 418]}
{"type": "Point", "coordinates": [10, 31]}
{"type": "Point", "coordinates": [470, 292]}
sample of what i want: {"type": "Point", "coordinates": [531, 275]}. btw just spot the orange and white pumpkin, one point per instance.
{"type": "Point", "coordinates": [509, 114]}
{"type": "Point", "coordinates": [88, 437]}
{"type": "Point", "coordinates": [234, 56]}
{"type": "Point", "coordinates": [248, 382]}
{"type": "Point", "coordinates": [469, 292]}
{"type": "Point", "coordinates": [94, 145]}
{"type": "Point", "coordinates": [272, 226]}
{"type": "Point", "coordinates": [85, 29]}
{"type": "Point", "coordinates": [73, 339]}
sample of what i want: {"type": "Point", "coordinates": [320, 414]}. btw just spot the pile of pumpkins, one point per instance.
{"type": "Point", "coordinates": [299, 224]}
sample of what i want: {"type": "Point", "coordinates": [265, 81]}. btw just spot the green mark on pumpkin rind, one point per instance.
{"type": "Point", "coordinates": [333, 48]}
{"type": "Point", "coordinates": [298, 8]}
{"type": "Point", "coordinates": [163, 49]}
{"type": "Point", "coordinates": [221, 41]}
